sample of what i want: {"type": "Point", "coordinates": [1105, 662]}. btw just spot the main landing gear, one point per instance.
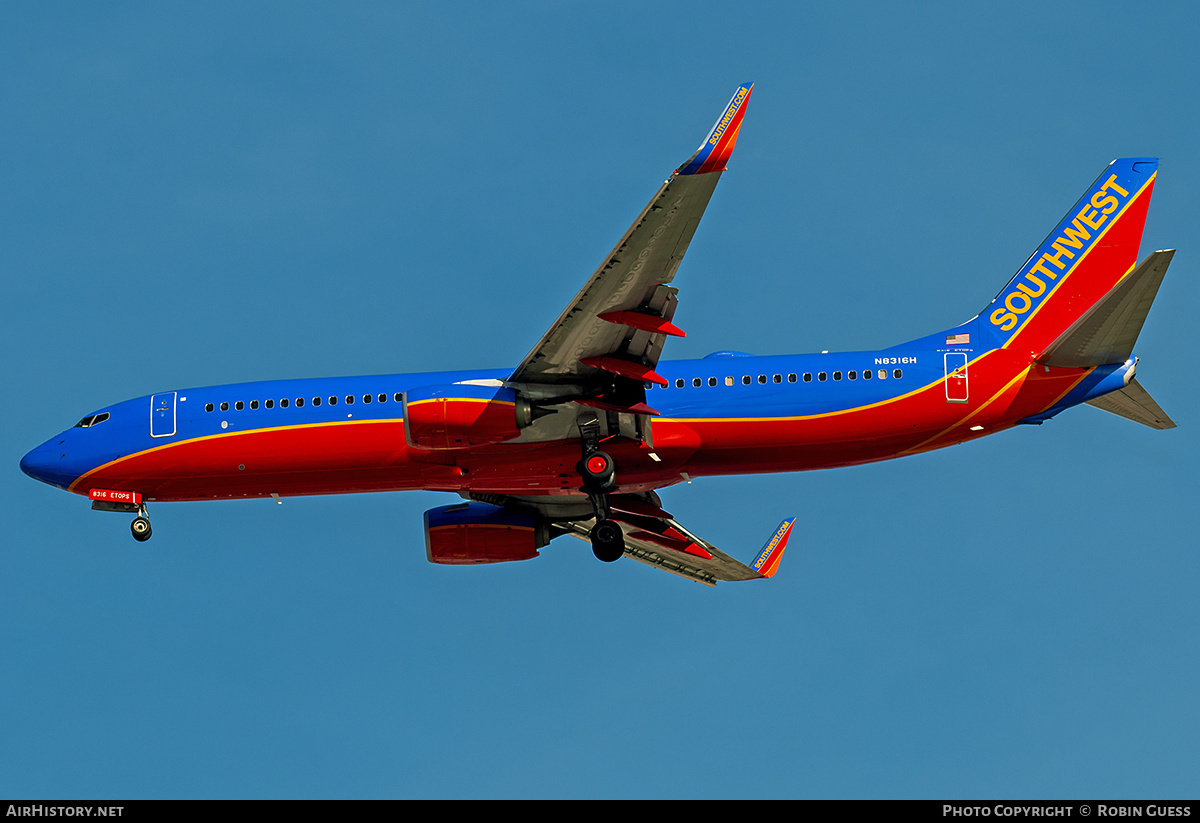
{"type": "Point", "coordinates": [599, 477]}
{"type": "Point", "coordinates": [598, 471]}
{"type": "Point", "coordinates": [608, 541]}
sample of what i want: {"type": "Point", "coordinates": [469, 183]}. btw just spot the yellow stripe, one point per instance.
{"type": "Point", "coordinates": [1069, 388]}
{"type": "Point", "coordinates": [993, 399]}
{"type": "Point", "coordinates": [463, 400]}
{"type": "Point", "coordinates": [990, 401]}
{"type": "Point", "coordinates": [191, 440]}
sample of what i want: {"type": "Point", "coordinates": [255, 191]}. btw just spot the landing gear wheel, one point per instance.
{"type": "Point", "coordinates": [597, 470]}
{"type": "Point", "coordinates": [608, 541]}
{"type": "Point", "coordinates": [141, 529]}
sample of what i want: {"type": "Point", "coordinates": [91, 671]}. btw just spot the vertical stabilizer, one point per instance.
{"type": "Point", "coordinates": [1090, 250]}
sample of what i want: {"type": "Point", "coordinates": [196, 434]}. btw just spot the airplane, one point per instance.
{"type": "Point", "coordinates": [578, 438]}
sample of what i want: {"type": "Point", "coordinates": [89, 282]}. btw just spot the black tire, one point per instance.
{"type": "Point", "coordinates": [598, 471]}
{"type": "Point", "coordinates": [141, 529]}
{"type": "Point", "coordinates": [608, 541]}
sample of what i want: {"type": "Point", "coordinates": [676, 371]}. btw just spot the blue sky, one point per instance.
{"type": "Point", "coordinates": [232, 192]}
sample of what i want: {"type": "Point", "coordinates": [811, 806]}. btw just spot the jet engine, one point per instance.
{"type": "Point", "coordinates": [478, 533]}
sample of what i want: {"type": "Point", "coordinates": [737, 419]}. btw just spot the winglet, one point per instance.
{"type": "Point", "coordinates": [714, 152]}
{"type": "Point", "coordinates": [767, 562]}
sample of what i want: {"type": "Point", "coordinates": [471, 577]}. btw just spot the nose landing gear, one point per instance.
{"type": "Point", "coordinates": [141, 526]}
{"type": "Point", "coordinates": [141, 529]}
{"type": "Point", "coordinates": [110, 500]}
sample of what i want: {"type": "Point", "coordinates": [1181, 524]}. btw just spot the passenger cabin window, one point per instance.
{"type": "Point", "coordinates": [728, 381]}
{"type": "Point", "coordinates": [224, 407]}
{"type": "Point", "coordinates": [837, 375]}
{"type": "Point", "coordinates": [696, 382]}
{"type": "Point", "coordinates": [822, 376]}
{"type": "Point", "coordinates": [299, 402]}
{"type": "Point", "coordinates": [866, 374]}
{"type": "Point", "coordinates": [712, 381]}
{"type": "Point", "coordinates": [745, 380]}
{"type": "Point", "coordinates": [679, 383]}
{"type": "Point", "coordinates": [791, 378]}
{"type": "Point", "coordinates": [349, 400]}
{"type": "Point", "coordinates": [397, 397]}
{"type": "Point", "coordinates": [283, 404]}
{"type": "Point", "coordinates": [333, 399]}
{"type": "Point", "coordinates": [777, 378]}
{"type": "Point", "coordinates": [762, 378]}
{"type": "Point", "coordinates": [853, 375]}
{"type": "Point", "coordinates": [808, 377]}
{"type": "Point", "coordinates": [897, 374]}
{"type": "Point", "coordinates": [253, 404]}
{"type": "Point", "coordinates": [883, 374]}
{"type": "Point", "coordinates": [316, 401]}
{"type": "Point", "coordinates": [366, 398]}
{"type": "Point", "coordinates": [208, 407]}
{"type": "Point", "coordinates": [239, 405]}
{"type": "Point", "coordinates": [270, 404]}
{"type": "Point", "coordinates": [382, 397]}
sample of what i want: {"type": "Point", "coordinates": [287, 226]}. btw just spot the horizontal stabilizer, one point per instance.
{"type": "Point", "coordinates": [1107, 332]}
{"type": "Point", "coordinates": [1136, 404]}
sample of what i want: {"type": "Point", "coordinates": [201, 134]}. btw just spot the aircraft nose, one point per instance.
{"type": "Point", "coordinates": [45, 463]}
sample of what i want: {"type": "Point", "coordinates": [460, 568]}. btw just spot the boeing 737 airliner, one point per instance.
{"type": "Point", "coordinates": [577, 438]}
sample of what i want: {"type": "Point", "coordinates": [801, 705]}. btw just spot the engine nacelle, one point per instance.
{"type": "Point", "coordinates": [478, 533]}
{"type": "Point", "coordinates": [457, 416]}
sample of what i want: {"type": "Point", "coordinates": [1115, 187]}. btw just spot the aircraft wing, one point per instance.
{"type": "Point", "coordinates": [613, 331]}
{"type": "Point", "coordinates": [653, 537]}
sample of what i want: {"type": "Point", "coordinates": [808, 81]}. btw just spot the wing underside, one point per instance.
{"type": "Point", "coordinates": [652, 536]}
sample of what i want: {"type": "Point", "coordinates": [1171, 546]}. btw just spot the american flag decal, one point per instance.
{"type": "Point", "coordinates": [958, 339]}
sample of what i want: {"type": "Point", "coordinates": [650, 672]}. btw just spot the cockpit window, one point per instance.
{"type": "Point", "coordinates": [91, 420]}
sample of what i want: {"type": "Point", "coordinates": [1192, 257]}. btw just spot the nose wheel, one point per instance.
{"type": "Point", "coordinates": [141, 526]}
